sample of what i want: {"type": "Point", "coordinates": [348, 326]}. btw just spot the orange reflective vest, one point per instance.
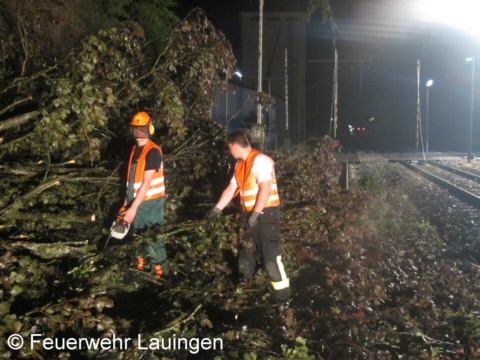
{"type": "Point", "coordinates": [247, 183]}
{"type": "Point", "coordinates": [157, 186]}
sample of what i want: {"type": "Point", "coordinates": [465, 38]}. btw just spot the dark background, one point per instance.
{"type": "Point", "coordinates": [392, 38]}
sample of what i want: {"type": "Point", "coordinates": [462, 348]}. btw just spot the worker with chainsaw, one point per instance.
{"type": "Point", "coordinates": [145, 197]}
{"type": "Point", "coordinates": [254, 180]}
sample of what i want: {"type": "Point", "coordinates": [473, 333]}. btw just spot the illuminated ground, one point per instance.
{"type": "Point", "coordinates": [415, 156]}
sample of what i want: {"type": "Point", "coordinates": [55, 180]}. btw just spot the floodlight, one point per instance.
{"type": "Point", "coordinates": [462, 14]}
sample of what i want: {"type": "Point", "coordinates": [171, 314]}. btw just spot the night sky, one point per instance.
{"type": "Point", "coordinates": [392, 37]}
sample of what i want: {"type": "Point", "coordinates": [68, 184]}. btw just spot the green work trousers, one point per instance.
{"type": "Point", "coordinates": [150, 213]}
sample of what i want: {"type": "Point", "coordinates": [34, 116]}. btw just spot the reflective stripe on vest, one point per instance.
{"type": "Point", "coordinates": [157, 185]}
{"type": "Point", "coordinates": [248, 186]}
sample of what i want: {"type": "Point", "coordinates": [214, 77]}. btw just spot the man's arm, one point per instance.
{"type": "Point", "coordinates": [142, 191]}
{"type": "Point", "coordinates": [227, 196]}
{"type": "Point", "coordinates": [262, 199]}
{"type": "Point", "coordinates": [262, 196]}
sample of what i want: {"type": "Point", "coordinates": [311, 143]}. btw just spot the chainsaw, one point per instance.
{"type": "Point", "coordinates": [118, 230]}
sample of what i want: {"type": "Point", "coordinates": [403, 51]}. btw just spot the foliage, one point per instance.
{"type": "Point", "coordinates": [36, 33]}
{"type": "Point", "coordinates": [202, 297]}
{"type": "Point", "coordinates": [370, 279]}
{"type": "Point", "coordinates": [83, 106]}
{"type": "Point", "coordinates": [306, 175]}
{"type": "Point", "coordinates": [375, 274]}
{"type": "Point", "coordinates": [326, 9]}
{"type": "Point", "coordinates": [156, 18]}
{"type": "Point", "coordinates": [86, 103]}
{"type": "Point", "coordinates": [391, 285]}
{"type": "Point", "coordinates": [47, 30]}
{"type": "Point", "coordinates": [96, 87]}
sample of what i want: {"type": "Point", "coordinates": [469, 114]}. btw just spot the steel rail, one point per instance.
{"type": "Point", "coordinates": [465, 174]}
{"type": "Point", "coordinates": [460, 193]}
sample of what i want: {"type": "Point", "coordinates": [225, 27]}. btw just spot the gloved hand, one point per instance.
{"type": "Point", "coordinates": [253, 219]}
{"type": "Point", "coordinates": [214, 213]}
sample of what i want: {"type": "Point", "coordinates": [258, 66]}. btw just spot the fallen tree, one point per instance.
{"type": "Point", "coordinates": [83, 105]}
{"type": "Point", "coordinates": [352, 275]}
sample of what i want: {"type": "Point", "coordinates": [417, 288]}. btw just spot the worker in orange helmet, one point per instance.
{"type": "Point", "coordinates": [254, 180]}
{"type": "Point", "coordinates": [145, 197]}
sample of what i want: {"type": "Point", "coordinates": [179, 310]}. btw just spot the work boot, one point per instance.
{"type": "Point", "coordinates": [281, 304]}
{"type": "Point", "coordinates": [281, 296]}
{"type": "Point", "coordinates": [158, 271]}
{"type": "Point", "coordinates": [141, 263]}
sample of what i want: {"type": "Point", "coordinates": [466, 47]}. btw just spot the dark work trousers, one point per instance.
{"type": "Point", "coordinates": [265, 239]}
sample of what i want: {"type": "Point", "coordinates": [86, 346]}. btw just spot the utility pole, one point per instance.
{"type": "Point", "coordinates": [470, 127]}
{"type": "Point", "coordinates": [429, 83]}
{"type": "Point", "coordinates": [361, 61]}
{"type": "Point", "coordinates": [260, 43]}
{"type": "Point", "coordinates": [287, 135]}
{"type": "Point", "coordinates": [335, 95]}
{"type": "Point", "coordinates": [336, 61]}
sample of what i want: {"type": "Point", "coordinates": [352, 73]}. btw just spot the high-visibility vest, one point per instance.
{"type": "Point", "coordinates": [247, 183]}
{"type": "Point", "coordinates": [157, 185]}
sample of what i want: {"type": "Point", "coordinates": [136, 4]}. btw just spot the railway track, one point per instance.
{"type": "Point", "coordinates": [463, 185]}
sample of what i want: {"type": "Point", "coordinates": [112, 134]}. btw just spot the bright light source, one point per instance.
{"type": "Point", "coordinates": [239, 74]}
{"type": "Point", "coordinates": [429, 83]}
{"type": "Point", "coordinates": [469, 59]}
{"type": "Point", "coordinates": [461, 14]}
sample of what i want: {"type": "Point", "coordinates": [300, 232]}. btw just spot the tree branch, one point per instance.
{"type": "Point", "coordinates": [51, 217]}
{"type": "Point", "coordinates": [248, 102]}
{"type": "Point", "coordinates": [180, 320]}
{"type": "Point", "coordinates": [17, 120]}
{"type": "Point", "coordinates": [53, 250]}
{"type": "Point", "coordinates": [14, 104]}
{"type": "Point", "coordinates": [44, 186]}
{"type": "Point", "coordinates": [23, 36]}
{"type": "Point", "coordinates": [17, 203]}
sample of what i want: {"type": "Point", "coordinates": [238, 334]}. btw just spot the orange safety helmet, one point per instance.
{"type": "Point", "coordinates": [140, 119]}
